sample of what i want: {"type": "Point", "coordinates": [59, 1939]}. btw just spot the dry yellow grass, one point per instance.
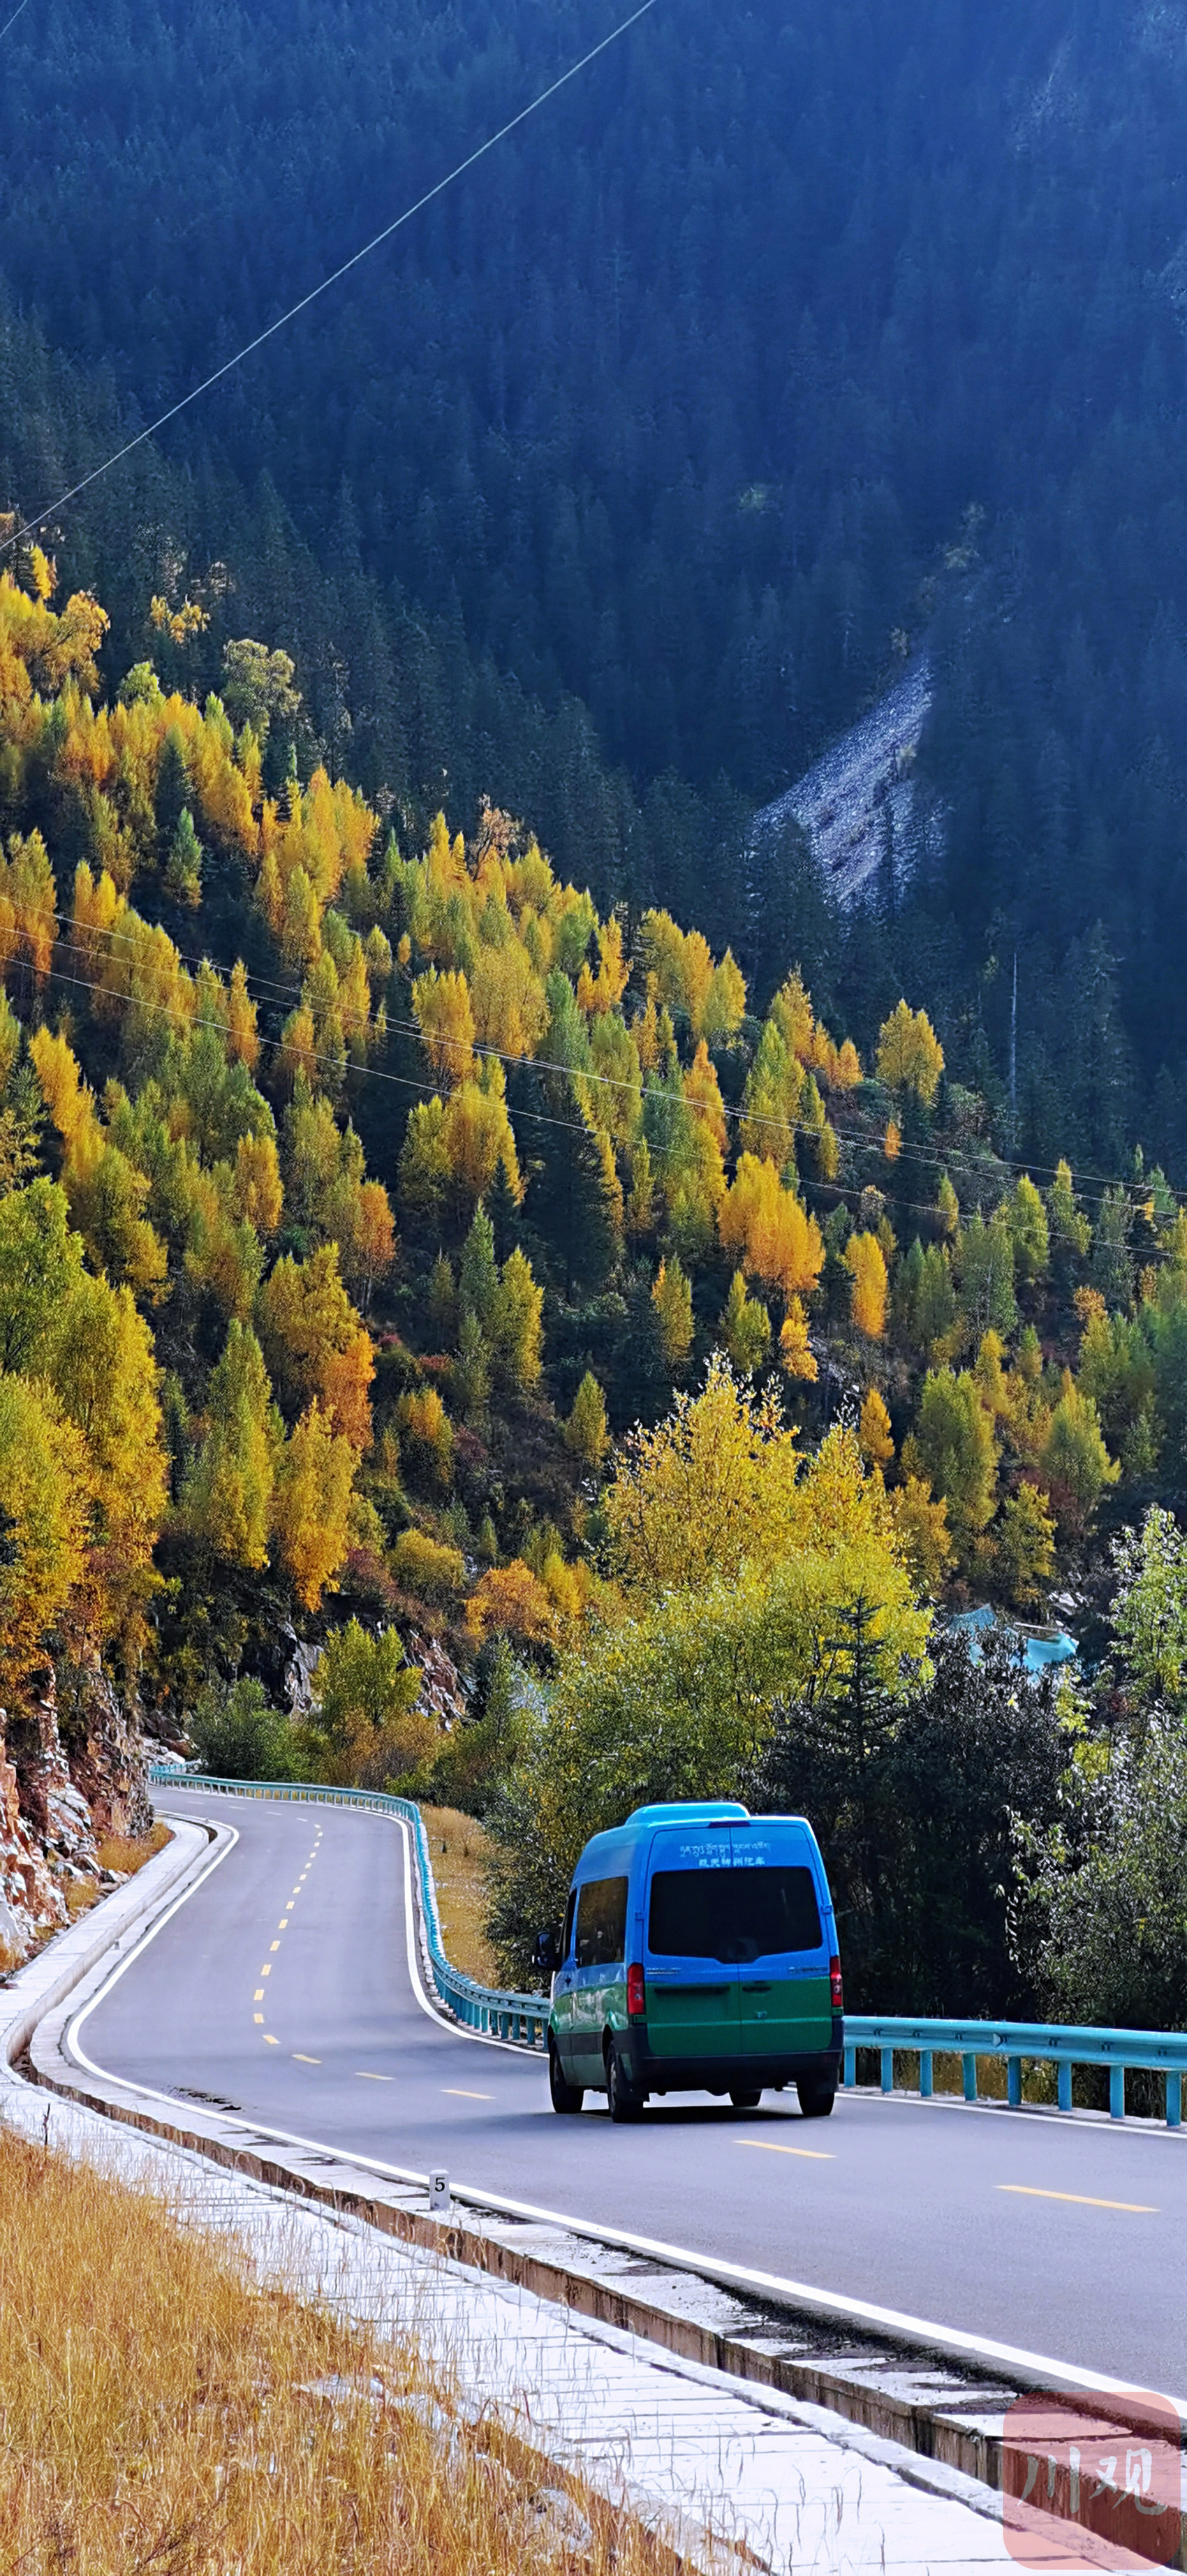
{"type": "Point", "coordinates": [458, 1848]}
{"type": "Point", "coordinates": [161, 2416]}
{"type": "Point", "coordinates": [123, 1852]}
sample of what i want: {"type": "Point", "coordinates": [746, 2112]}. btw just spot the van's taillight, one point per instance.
{"type": "Point", "coordinates": [636, 1999]}
{"type": "Point", "coordinates": [834, 1979]}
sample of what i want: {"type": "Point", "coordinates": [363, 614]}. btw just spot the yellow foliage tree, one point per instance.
{"type": "Point", "coordinates": [45, 1499]}
{"type": "Point", "coordinates": [671, 1296]}
{"type": "Point", "coordinates": [770, 1229]}
{"type": "Point", "coordinates": [445, 1018]}
{"type": "Point", "coordinates": [258, 1193]}
{"type": "Point", "coordinates": [228, 1499]}
{"type": "Point", "coordinates": [511, 1601]}
{"type": "Point", "coordinates": [311, 1504]}
{"type": "Point", "coordinates": [874, 1432]}
{"type": "Point", "coordinates": [604, 991]}
{"type": "Point", "coordinates": [314, 1342]}
{"type": "Point", "coordinates": [106, 1379]}
{"type": "Point", "coordinates": [796, 1356]}
{"type": "Point", "coordinates": [866, 1264]}
{"type": "Point", "coordinates": [910, 1057]}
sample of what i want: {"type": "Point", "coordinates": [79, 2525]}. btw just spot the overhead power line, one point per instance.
{"type": "Point", "coordinates": [269, 992]}
{"type": "Point", "coordinates": [303, 302]}
{"type": "Point", "coordinates": [11, 22]}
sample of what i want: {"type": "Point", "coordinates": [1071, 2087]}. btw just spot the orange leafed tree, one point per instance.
{"type": "Point", "coordinates": [770, 1229]}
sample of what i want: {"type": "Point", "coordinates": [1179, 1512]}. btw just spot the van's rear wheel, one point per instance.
{"type": "Point", "coordinates": [816, 2099]}
{"type": "Point", "coordinates": [746, 2101]}
{"type": "Point", "coordinates": [625, 2103]}
{"type": "Point", "coordinates": [565, 2097]}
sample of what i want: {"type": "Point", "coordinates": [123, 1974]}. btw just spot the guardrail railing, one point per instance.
{"type": "Point", "coordinates": [1159, 2052]}
{"type": "Point", "coordinates": [522, 2019]}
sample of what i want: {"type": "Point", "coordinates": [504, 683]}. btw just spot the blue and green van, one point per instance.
{"type": "Point", "coordinates": [699, 1954]}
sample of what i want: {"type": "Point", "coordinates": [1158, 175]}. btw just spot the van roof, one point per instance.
{"type": "Point", "coordinates": [689, 1811]}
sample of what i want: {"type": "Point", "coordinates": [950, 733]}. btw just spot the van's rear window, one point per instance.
{"type": "Point", "coordinates": [732, 1914]}
{"type": "Point", "coordinates": [601, 1923]}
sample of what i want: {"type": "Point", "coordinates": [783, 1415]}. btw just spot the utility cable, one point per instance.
{"type": "Point", "coordinates": [303, 303]}
{"type": "Point", "coordinates": [11, 22]}
{"type": "Point", "coordinates": [270, 992]}
{"type": "Point", "coordinates": [429, 1090]}
{"type": "Point", "coordinates": [183, 1023]}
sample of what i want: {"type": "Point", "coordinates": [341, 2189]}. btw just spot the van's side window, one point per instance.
{"type": "Point", "coordinates": [601, 1922]}
{"type": "Point", "coordinates": [567, 1934]}
{"type": "Point", "coordinates": [732, 1914]}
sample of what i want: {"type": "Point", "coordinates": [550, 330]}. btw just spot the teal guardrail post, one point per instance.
{"type": "Point", "coordinates": [1063, 2083]}
{"type": "Point", "coordinates": [1014, 2082]}
{"type": "Point", "coordinates": [1116, 2092]}
{"type": "Point", "coordinates": [849, 2075]}
{"type": "Point", "coordinates": [969, 2062]}
{"type": "Point", "coordinates": [1174, 2101]}
{"type": "Point", "coordinates": [925, 2074]}
{"type": "Point", "coordinates": [888, 2070]}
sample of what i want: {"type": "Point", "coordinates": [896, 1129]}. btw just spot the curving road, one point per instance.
{"type": "Point", "coordinates": [281, 1989]}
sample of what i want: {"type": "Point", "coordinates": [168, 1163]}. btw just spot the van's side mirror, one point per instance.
{"type": "Point", "coordinates": [545, 1954]}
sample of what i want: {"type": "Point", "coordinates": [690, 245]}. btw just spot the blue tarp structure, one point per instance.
{"type": "Point", "coordinates": [1041, 1647]}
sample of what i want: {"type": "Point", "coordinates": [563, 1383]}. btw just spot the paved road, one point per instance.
{"type": "Point", "coordinates": [281, 1989]}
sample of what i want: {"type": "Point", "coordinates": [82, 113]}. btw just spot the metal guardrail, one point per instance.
{"type": "Point", "coordinates": [522, 2019]}
{"type": "Point", "coordinates": [1157, 2052]}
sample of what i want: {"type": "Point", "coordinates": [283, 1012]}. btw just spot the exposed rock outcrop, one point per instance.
{"type": "Point", "coordinates": [442, 1691]}
{"type": "Point", "coordinates": [71, 1771]}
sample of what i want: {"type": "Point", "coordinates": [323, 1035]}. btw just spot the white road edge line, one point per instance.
{"type": "Point", "coordinates": [825, 2303]}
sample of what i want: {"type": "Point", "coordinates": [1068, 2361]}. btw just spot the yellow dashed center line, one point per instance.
{"type": "Point", "coordinates": [815, 2155]}
{"type": "Point", "coordinates": [459, 2094]}
{"type": "Point", "coordinates": [258, 2017]}
{"type": "Point", "coordinates": [258, 1996]}
{"type": "Point", "coordinates": [365, 2076]}
{"type": "Point", "coordinates": [1083, 2199]}
{"type": "Point", "coordinates": [275, 1945]}
{"type": "Point", "coordinates": [270, 2042]}
{"type": "Point", "coordinates": [302, 2060]}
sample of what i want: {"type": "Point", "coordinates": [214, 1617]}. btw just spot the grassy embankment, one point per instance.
{"type": "Point", "coordinates": [122, 1853]}
{"type": "Point", "coordinates": [159, 2412]}
{"type": "Point", "coordinates": [458, 1847]}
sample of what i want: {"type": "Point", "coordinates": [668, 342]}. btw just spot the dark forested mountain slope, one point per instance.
{"type": "Point", "coordinates": [774, 337]}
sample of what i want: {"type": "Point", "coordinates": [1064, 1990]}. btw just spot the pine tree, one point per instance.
{"type": "Point", "coordinates": [183, 872]}
{"type": "Point", "coordinates": [568, 1199]}
{"type": "Point", "coordinates": [502, 1207]}
{"type": "Point", "coordinates": [478, 1283]}
{"type": "Point", "coordinates": [172, 793]}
